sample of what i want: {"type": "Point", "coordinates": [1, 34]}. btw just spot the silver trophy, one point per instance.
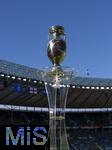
{"type": "Point", "coordinates": [57, 82]}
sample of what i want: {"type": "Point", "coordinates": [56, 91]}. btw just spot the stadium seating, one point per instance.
{"type": "Point", "coordinates": [85, 131]}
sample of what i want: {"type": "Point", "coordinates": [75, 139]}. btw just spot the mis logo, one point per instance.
{"type": "Point", "coordinates": [26, 136]}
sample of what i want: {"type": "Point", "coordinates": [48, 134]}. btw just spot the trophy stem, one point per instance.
{"type": "Point", "coordinates": [57, 103]}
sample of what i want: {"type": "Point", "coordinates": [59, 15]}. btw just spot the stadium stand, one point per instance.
{"type": "Point", "coordinates": [23, 101]}
{"type": "Point", "coordinates": [85, 131]}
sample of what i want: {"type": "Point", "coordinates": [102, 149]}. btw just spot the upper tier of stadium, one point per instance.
{"type": "Point", "coordinates": [18, 70]}
{"type": "Point", "coordinates": [84, 92]}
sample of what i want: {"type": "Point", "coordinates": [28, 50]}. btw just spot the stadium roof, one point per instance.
{"type": "Point", "coordinates": [85, 92]}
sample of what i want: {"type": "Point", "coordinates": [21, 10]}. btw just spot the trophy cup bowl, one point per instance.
{"type": "Point", "coordinates": [56, 49]}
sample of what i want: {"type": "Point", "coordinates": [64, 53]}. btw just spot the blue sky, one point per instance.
{"type": "Point", "coordinates": [88, 24]}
